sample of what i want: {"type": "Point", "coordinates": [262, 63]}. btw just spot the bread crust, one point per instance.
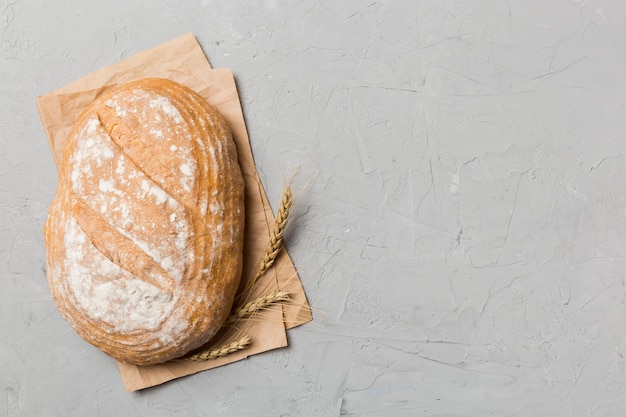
{"type": "Point", "coordinates": [144, 238]}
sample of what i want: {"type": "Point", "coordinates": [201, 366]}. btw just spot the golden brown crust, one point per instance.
{"type": "Point", "coordinates": [144, 238]}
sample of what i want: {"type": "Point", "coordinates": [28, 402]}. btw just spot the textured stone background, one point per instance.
{"type": "Point", "coordinates": [461, 241]}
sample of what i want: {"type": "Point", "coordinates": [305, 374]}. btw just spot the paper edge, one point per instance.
{"type": "Point", "coordinates": [77, 85]}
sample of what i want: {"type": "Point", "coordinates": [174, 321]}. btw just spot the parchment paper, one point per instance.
{"type": "Point", "coordinates": [183, 61]}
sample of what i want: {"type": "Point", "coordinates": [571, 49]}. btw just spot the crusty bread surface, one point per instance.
{"type": "Point", "coordinates": [144, 237]}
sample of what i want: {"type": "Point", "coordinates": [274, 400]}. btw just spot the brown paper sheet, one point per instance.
{"type": "Point", "coordinates": [183, 61]}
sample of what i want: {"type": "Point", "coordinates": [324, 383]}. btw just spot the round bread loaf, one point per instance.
{"type": "Point", "coordinates": [144, 238]}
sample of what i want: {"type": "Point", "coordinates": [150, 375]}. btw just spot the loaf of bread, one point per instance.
{"type": "Point", "coordinates": [144, 238]}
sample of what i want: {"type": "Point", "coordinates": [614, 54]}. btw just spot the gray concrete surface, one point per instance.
{"type": "Point", "coordinates": [462, 243]}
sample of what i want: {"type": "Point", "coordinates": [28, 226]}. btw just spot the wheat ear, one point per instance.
{"type": "Point", "coordinates": [257, 304]}
{"type": "Point", "coordinates": [276, 238]}
{"type": "Point", "coordinates": [235, 346]}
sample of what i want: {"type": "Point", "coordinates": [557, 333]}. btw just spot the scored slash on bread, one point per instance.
{"type": "Point", "coordinates": [145, 235]}
{"type": "Point", "coordinates": [120, 249]}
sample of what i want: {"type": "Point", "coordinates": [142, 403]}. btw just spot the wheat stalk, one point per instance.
{"type": "Point", "coordinates": [256, 305]}
{"type": "Point", "coordinates": [276, 238]}
{"type": "Point", "coordinates": [272, 251]}
{"type": "Point", "coordinates": [235, 346]}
